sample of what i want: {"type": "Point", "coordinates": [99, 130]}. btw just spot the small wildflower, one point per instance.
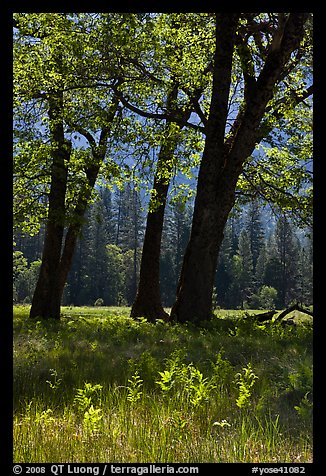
{"type": "Point", "coordinates": [221, 424]}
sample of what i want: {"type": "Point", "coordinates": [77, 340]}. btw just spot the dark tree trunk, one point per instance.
{"type": "Point", "coordinates": [264, 316]}
{"type": "Point", "coordinates": [75, 227]}
{"type": "Point", "coordinates": [148, 301]}
{"type": "Point", "coordinates": [195, 287]}
{"type": "Point", "coordinates": [56, 262]}
{"type": "Point", "coordinates": [61, 264]}
{"type": "Point", "coordinates": [222, 161]}
{"type": "Point", "coordinates": [295, 307]}
{"type": "Point", "coordinates": [98, 154]}
{"type": "Point", "coordinates": [214, 197]}
{"type": "Point", "coordinates": [47, 296]}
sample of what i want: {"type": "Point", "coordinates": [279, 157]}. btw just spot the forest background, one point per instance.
{"type": "Point", "coordinates": [265, 260]}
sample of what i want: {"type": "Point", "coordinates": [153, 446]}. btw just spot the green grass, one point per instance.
{"type": "Point", "coordinates": [98, 386]}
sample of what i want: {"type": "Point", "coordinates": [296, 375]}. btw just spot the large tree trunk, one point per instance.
{"type": "Point", "coordinates": [61, 261]}
{"type": "Point", "coordinates": [222, 161]}
{"type": "Point", "coordinates": [214, 197]}
{"type": "Point", "coordinates": [195, 287]}
{"type": "Point", "coordinates": [47, 296]}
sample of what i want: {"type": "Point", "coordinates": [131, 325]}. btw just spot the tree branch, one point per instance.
{"type": "Point", "coordinates": [81, 130]}
{"type": "Point", "coordinates": [174, 117]}
{"type": "Point", "coordinates": [247, 65]}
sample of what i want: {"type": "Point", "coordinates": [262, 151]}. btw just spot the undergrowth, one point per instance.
{"type": "Point", "coordinates": [100, 386]}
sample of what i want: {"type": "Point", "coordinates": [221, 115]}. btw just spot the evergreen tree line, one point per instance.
{"type": "Point", "coordinates": [258, 267]}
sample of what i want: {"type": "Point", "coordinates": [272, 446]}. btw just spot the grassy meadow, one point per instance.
{"type": "Point", "coordinates": [98, 386]}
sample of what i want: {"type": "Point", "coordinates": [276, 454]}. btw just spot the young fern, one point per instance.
{"type": "Point", "coordinates": [134, 389]}
{"type": "Point", "coordinates": [245, 381]}
{"type": "Point", "coordinates": [83, 397]}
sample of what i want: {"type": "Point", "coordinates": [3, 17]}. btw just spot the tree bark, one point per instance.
{"type": "Point", "coordinates": [223, 160]}
{"type": "Point", "coordinates": [56, 261]}
{"type": "Point", "coordinates": [98, 154]}
{"type": "Point", "coordinates": [47, 296]}
{"type": "Point", "coordinates": [148, 301]}
{"type": "Point", "coordinates": [195, 287]}
{"type": "Point", "coordinates": [75, 227]}
{"type": "Point", "coordinates": [264, 316]}
{"type": "Point", "coordinates": [214, 198]}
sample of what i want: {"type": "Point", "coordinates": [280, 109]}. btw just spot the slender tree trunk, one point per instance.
{"type": "Point", "coordinates": [148, 301]}
{"type": "Point", "coordinates": [75, 227]}
{"type": "Point", "coordinates": [135, 244]}
{"type": "Point", "coordinates": [222, 161]}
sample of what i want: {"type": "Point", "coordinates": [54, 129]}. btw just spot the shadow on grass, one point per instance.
{"type": "Point", "coordinates": [105, 346]}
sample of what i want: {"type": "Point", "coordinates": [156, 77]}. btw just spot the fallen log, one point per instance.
{"type": "Point", "coordinates": [264, 316]}
{"type": "Point", "coordinates": [295, 307]}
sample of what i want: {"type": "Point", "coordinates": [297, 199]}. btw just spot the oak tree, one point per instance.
{"type": "Point", "coordinates": [278, 53]}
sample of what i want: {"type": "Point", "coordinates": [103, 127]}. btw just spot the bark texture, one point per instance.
{"type": "Point", "coordinates": [58, 251]}
{"type": "Point", "coordinates": [214, 197]}
{"type": "Point", "coordinates": [223, 160]}
{"type": "Point", "coordinates": [148, 301]}
{"type": "Point", "coordinates": [47, 295]}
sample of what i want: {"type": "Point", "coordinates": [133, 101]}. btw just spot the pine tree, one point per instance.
{"type": "Point", "coordinates": [108, 213]}
{"type": "Point", "coordinates": [282, 266]}
{"type": "Point", "coordinates": [223, 278]}
{"type": "Point", "coordinates": [88, 279]}
{"type": "Point", "coordinates": [129, 235]}
{"type": "Point", "coordinates": [74, 287]}
{"type": "Point", "coordinates": [288, 249]}
{"type": "Point", "coordinates": [255, 230]}
{"type": "Point", "coordinates": [246, 277]}
{"type": "Point", "coordinates": [175, 237]}
{"type": "Point", "coordinates": [97, 257]}
{"type": "Point", "coordinates": [305, 274]}
{"type": "Point", "coordinates": [273, 270]}
{"type": "Point", "coordinates": [168, 255]}
{"type": "Point", "coordinates": [260, 267]}
{"type": "Point", "coordinates": [116, 273]}
{"type": "Point", "coordinates": [129, 218]}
